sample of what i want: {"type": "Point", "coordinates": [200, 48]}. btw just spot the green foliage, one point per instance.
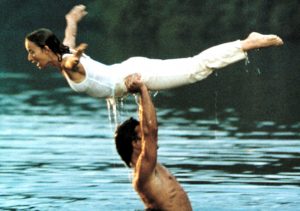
{"type": "Point", "coordinates": [155, 28]}
{"type": "Point", "coordinates": [174, 21]}
{"type": "Point", "coordinates": [285, 18]}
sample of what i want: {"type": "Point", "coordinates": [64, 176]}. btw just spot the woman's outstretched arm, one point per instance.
{"type": "Point", "coordinates": [72, 19]}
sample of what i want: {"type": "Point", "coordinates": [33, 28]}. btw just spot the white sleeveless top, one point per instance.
{"type": "Point", "coordinates": [104, 81]}
{"type": "Point", "coordinates": [99, 81]}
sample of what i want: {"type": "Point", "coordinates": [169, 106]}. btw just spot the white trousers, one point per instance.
{"type": "Point", "coordinates": [160, 74]}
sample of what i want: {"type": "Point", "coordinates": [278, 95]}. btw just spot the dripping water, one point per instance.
{"type": "Point", "coordinates": [247, 65]}
{"type": "Point", "coordinates": [216, 107]}
{"type": "Point", "coordinates": [115, 109]}
{"type": "Point", "coordinates": [155, 94]}
{"type": "Point", "coordinates": [216, 113]}
{"type": "Point", "coordinates": [258, 71]}
{"type": "Point", "coordinates": [113, 105]}
{"type": "Point", "coordinates": [247, 62]}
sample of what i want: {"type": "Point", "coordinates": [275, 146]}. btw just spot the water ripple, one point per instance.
{"type": "Point", "coordinates": [57, 153]}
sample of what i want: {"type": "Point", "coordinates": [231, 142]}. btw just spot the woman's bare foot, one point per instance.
{"type": "Point", "coordinates": [256, 40]}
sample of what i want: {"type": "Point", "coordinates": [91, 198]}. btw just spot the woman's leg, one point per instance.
{"type": "Point", "coordinates": [166, 74]}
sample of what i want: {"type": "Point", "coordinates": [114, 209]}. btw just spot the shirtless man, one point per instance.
{"type": "Point", "coordinates": [136, 143]}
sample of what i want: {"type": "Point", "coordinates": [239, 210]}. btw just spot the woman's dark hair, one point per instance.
{"type": "Point", "coordinates": [124, 136]}
{"type": "Point", "coordinates": [42, 37]}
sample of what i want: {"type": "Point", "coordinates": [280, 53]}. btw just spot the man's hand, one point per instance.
{"type": "Point", "coordinates": [134, 83]}
{"type": "Point", "coordinates": [76, 13]}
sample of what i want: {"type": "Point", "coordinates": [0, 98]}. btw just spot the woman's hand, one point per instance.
{"type": "Point", "coordinates": [73, 17]}
{"type": "Point", "coordinates": [79, 50]}
{"type": "Point", "coordinates": [71, 62]}
{"type": "Point", "coordinates": [76, 13]}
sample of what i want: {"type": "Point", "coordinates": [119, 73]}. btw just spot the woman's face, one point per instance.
{"type": "Point", "coordinates": [37, 55]}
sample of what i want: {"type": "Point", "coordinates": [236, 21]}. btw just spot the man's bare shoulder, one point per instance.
{"type": "Point", "coordinates": [162, 191]}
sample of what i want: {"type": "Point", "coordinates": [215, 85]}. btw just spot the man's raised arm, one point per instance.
{"type": "Point", "coordinates": [148, 125]}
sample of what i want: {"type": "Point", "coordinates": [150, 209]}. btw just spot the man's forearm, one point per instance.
{"type": "Point", "coordinates": [147, 111]}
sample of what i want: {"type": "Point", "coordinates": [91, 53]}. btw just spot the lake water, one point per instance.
{"type": "Point", "coordinates": [57, 151]}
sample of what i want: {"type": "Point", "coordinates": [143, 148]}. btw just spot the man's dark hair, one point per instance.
{"type": "Point", "coordinates": [43, 37]}
{"type": "Point", "coordinates": [124, 136]}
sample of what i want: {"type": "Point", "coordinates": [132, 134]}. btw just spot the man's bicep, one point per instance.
{"type": "Point", "coordinates": [145, 167]}
{"type": "Point", "coordinates": [148, 157]}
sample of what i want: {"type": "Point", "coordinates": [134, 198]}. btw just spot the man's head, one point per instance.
{"type": "Point", "coordinates": [124, 136]}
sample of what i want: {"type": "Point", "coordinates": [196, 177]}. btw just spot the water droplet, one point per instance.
{"type": "Point", "coordinates": [216, 112]}
{"type": "Point", "coordinates": [247, 62]}
{"type": "Point", "coordinates": [155, 94]}
{"type": "Point", "coordinates": [258, 71]}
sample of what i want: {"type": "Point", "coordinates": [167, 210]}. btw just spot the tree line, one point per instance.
{"type": "Point", "coordinates": [155, 28]}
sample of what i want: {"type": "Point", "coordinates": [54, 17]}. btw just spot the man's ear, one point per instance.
{"type": "Point", "coordinates": [136, 143]}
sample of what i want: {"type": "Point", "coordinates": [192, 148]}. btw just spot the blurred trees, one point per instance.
{"type": "Point", "coordinates": [191, 19]}
{"type": "Point", "coordinates": [177, 28]}
{"type": "Point", "coordinates": [154, 28]}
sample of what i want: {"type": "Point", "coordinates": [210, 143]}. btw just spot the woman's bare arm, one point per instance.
{"type": "Point", "coordinates": [71, 62]}
{"type": "Point", "coordinates": [72, 19]}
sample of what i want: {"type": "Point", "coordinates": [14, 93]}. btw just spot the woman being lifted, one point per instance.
{"type": "Point", "coordinates": [85, 74]}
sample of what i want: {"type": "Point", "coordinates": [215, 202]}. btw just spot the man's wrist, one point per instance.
{"type": "Point", "coordinates": [143, 88]}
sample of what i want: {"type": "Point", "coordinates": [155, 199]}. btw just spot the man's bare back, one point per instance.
{"type": "Point", "coordinates": [162, 191]}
